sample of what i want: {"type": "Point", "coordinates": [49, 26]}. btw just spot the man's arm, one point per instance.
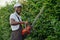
{"type": "Point", "coordinates": [13, 22]}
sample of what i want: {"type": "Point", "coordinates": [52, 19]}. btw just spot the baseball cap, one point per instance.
{"type": "Point", "coordinates": [17, 5]}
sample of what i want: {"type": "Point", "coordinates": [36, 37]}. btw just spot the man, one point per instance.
{"type": "Point", "coordinates": [16, 21]}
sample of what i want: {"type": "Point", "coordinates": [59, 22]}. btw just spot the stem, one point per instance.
{"type": "Point", "coordinates": [41, 11]}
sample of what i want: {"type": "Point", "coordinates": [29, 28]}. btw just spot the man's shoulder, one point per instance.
{"type": "Point", "coordinates": [12, 14]}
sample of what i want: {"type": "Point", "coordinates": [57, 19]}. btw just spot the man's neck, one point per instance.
{"type": "Point", "coordinates": [18, 13]}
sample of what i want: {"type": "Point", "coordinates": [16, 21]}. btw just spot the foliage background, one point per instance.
{"type": "Point", "coordinates": [47, 26]}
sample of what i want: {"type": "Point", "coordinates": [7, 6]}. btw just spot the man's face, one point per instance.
{"type": "Point", "coordinates": [18, 9]}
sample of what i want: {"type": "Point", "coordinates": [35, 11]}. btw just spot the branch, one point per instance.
{"type": "Point", "coordinates": [41, 11]}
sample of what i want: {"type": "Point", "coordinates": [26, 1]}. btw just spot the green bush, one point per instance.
{"type": "Point", "coordinates": [47, 25]}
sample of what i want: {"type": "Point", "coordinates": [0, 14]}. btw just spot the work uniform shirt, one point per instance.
{"type": "Point", "coordinates": [14, 16]}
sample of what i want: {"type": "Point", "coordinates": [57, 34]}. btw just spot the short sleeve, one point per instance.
{"type": "Point", "coordinates": [12, 16]}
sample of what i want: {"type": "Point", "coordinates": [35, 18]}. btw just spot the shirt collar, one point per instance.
{"type": "Point", "coordinates": [16, 14]}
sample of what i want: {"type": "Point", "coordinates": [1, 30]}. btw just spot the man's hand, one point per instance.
{"type": "Point", "coordinates": [26, 22]}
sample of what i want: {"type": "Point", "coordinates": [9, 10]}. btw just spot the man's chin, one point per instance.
{"type": "Point", "coordinates": [18, 12]}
